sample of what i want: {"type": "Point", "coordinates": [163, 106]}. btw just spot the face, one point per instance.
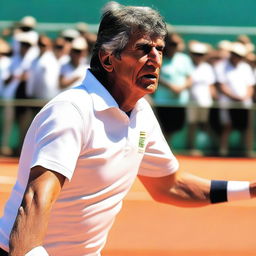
{"type": "Point", "coordinates": [235, 59]}
{"type": "Point", "coordinates": [137, 71]}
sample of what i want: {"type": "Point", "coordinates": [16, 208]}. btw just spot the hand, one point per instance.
{"type": "Point", "coordinates": [253, 189]}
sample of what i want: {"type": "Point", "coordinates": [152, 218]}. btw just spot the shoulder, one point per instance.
{"type": "Point", "coordinates": [206, 66]}
{"type": "Point", "coordinates": [245, 65]}
{"type": "Point", "coordinates": [77, 98]}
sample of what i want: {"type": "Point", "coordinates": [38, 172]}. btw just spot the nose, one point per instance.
{"type": "Point", "coordinates": [155, 57]}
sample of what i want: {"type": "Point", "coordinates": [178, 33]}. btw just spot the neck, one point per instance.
{"type": "Point", "coordinates": [125, 100]}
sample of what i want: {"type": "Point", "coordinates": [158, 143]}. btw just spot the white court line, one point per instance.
{"type": "Point", "coordinates": [7, 180]}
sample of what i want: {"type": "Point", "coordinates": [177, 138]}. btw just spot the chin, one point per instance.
{"type": "Point", "coordinates": [151, 88]}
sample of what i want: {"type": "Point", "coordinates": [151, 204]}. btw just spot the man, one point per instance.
{"type": "Point", "coordinates": [174, 84]}
{"type": "Point", "coordinates": [86, 147]}
{"type": "Point", "coordinates": [72, 73]}
{"type": "Point", "coordinates": [15, 88]}
{"type": "Point", "coordinates": [43, 81]}
{"type": "Point", "coordinates": [236, 83]}
{"type": "Point", "coordinates": [202, 93]}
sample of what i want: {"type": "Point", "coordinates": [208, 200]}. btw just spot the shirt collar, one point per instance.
{"type": "Point", "coordinates": [102, 99]}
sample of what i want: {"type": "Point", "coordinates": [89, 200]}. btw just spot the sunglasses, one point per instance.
{"type": "Point", "coordinates": [173, 44]}
{"type": "Point", "coordinates": [76, 51]}
{"type": "Point", "coordinates": [58, 46]}
{"type": "Point", "coordinates": [42, 45]}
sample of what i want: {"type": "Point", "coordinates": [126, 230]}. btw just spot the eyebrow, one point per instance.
{"type": "Point", "coordinates": [138, 45]}
{"type": "Point", "coordinates": [141, 44]}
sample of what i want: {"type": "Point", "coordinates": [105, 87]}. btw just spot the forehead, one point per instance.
{"type": "Point", "coordinates": [138, 39]}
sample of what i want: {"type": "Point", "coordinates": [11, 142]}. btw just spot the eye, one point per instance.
{"type": "Point", "coordinates": [145, 48]}
{"type": "Point", "coordinates": [160, 48]}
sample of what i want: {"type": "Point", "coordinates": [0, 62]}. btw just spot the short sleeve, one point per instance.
{"type": "Point", "coordinates": [58, 138]}
{"type": "Point", "coordinates": [249, 75]}
{"type": "Point", "coordinates": [158, 159]}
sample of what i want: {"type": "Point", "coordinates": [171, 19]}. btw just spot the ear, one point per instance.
{"type": "Point", "coordinates": [105, 61]}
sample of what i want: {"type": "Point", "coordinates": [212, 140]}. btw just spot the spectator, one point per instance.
{"type": "Point", "coordinates": [44, 75]}
{"type": "Point", "coordinates": [5, 62]}
{"type": "Point", "coordinates": [61, 50]}
{"type": "Point", "coordinates": [73, 72]}
{"type": "Point", "coordinates": [90, 37]}
{"type": "Point", "coordinates": [69, 35]}
{"type": "Point", "coordinates": [201, 93]}
{"type": "Point", "coordinates": [15, 87]}
{"type": "Point", "coordinates": [175, 79]}
{"type": "Point", "coordinates": [245, 40]}
{"type": "Point", "coordinates": [236, 82]}
{"type": "Point", "coordinates": [224, 49]}
{"type": "Point", "coordinates": [251, 60]}
{"type": "Point", "coordinates": [26, 25]}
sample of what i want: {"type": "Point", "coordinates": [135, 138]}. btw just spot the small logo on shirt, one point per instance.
{"type": "Point", "coordinates": [142, 142]}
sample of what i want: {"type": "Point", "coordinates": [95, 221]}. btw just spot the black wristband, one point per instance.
{"type": "Point", "coordinates": [218, 191]}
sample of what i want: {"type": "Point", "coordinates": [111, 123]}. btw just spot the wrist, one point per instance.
{"type": "Point", "coordinates": [228, 191]}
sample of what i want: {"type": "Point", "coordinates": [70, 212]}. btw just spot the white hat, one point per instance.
{"type": "Point", "coordinates": [250, 47]}
{"type": "Point", "coordinates": [239, 49]}
{"type": "Point", "coordinates": [82, 26]}
{"type": "Point", "coordinates": [70, 33]}
{"type": "Point", "coordinates": [28, 21]}
{"type": "Point", "coordinates": [224, 45]}
{"type": "Point", "coordinates": [27, 37]}
{"type": "Point", "coordinates": [79, 43]}
{"type": "Point", "coordinates": [198, 47]}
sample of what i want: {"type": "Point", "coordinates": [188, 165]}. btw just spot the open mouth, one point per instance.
{"type": "Point", "coordinates": [150, 76]}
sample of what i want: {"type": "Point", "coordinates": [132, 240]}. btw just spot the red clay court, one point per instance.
{"type": "Point", "coordinates": [147, 228]}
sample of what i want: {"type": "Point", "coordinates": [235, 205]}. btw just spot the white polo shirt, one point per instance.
{"type": "Point", "coordinates": [43, 81]}
{"type": "Point", "coordinates": [83, 135]}
{"type": "Point", "coordinates": [238, 78]}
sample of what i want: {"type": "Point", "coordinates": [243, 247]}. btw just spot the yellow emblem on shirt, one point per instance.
{"type": "Point", "coordinates": [142, 142]}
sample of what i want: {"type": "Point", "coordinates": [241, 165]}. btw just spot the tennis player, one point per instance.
{"type": "Point", "coordinates": [85, 148]}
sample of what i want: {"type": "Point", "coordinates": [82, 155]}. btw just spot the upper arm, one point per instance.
{"type": "Point", "coordinates": [43, 187]}
{"type": "Point", "coordinates": [158, 186]}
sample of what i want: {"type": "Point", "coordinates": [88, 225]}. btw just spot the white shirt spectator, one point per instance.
{"type": "Point", "coordinates": [69, 71]}
{"type": "Point", "coordinates": [202, 78]}
{"type": "Point", "coordinates": [5, 63]}
{"type": "Point", "coordinates": [238, 78]}
{"type": "Point", "coordinates": [44, 77]}
{"type": "Point", "coordinates": [18, 65]}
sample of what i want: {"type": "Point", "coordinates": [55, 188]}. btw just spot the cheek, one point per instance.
{"type": "Point", "coordinates": [128, 69]}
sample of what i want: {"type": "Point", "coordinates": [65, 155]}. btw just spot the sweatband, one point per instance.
{"type": "Point", "coordinates": [238, 190]}
{"type": "Point", "coordinates": [218, 191]}
{"type": "Point", "coordinates": [37, 251]}
{"type": "Point", "coordinates": [223, 191]}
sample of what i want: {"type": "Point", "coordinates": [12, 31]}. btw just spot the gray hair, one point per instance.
{"type": "Point", "coordinates": [117, 25]}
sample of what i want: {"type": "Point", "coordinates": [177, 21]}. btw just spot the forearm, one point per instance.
{"type": "Point", "coordinates": [30, 226]}
{"type": "Point", "coordinates": [200, 191]}
{"type": "Point", "coordinates": [66, 82]}
{"type": "Point", "coordinates": [189, 191]}
{"type": "Point", "coordinates": [226, 91]}
{"type": "Point", "coordinates": [183, 189]}
{"type": "Point", "coordinates": [31, 222]}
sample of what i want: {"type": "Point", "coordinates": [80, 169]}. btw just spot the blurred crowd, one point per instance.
{"type": "Point", "coordinates": [202, 86]}
{"type": "Point", "coordinates": [35, 66]}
